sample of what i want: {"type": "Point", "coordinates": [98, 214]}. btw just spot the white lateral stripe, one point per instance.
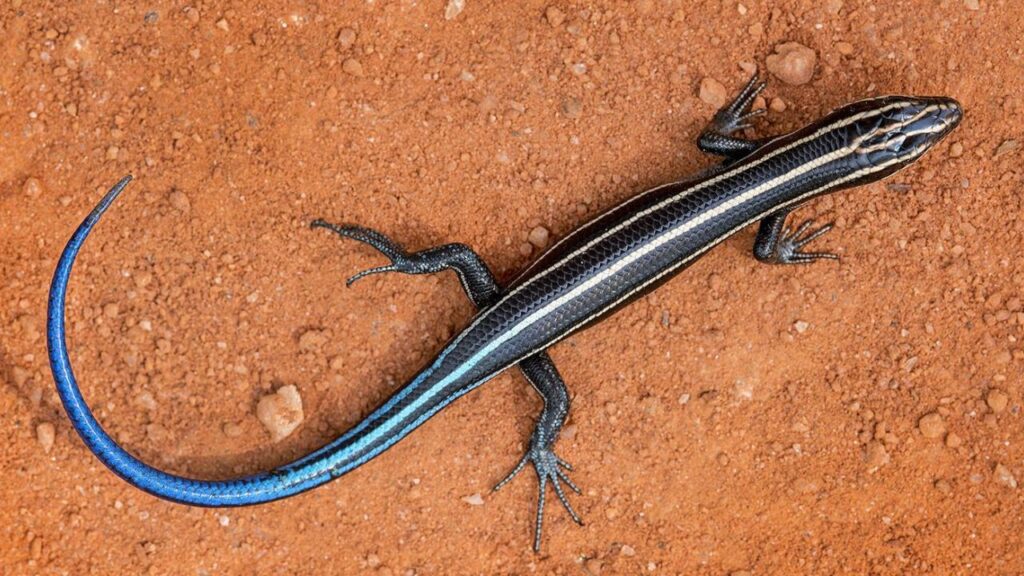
{"type": "Point", "coordinates": [698, 186]}
{"type": "Point", "coordinates": [639, 253]}
{"type": "Point", "coordinates": [682, 228]}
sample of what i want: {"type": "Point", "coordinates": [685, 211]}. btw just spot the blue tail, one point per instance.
{"type": "Point", "coordinates": [376, 433]}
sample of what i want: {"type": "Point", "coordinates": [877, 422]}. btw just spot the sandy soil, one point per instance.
{"type": "Point", "coordinates": [859, 417]}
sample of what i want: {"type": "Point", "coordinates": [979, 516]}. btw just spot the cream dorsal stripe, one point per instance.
{"type": "Point", "coordinates": [690, 190]}
{"type": "Point", "coordinates": [675, 232]}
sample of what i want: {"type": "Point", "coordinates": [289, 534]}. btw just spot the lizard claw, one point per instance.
{"type": "Point", "coordinates": [549, 469]}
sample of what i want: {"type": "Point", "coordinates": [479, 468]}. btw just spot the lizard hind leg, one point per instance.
{"type": "Point", "coordinates": [542, 374]}
{"type": "Point", "coordinates": [473, 273]}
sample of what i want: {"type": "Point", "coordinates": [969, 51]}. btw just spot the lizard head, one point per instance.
{"type": "Point", "coordinates": [885, 134]}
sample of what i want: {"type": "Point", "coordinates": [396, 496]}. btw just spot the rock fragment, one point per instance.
{"type": "Point", "coordinates": [352, 67]}
{"type": "Point", "coordinates": [280, 412]}
{"type": "Point", "coordinates": [454, 8]}
{"type": "Point", "coordinates": [1003, 476]}
{"type": "Point", "coordinates": [473, 499]}
{"type": "Point", "coordinates": [539, 237]}
{"type": "Point", "coordinates": [712, 92]}
{"type": "Point", "coordinates": [875, 455]}
{"type": "Point", "coordinates": [997, 400]}
{"type": "Point", "coordinates": [346, 38]}
{"type": "Point", "coordinates": [32, 187]}
{"type": "Point", "coordinates": [45, 434]}
{"type": "Point", "coordinates": [1006, 147]}
{"type": "Point", "coordinates": [793, 63]}
{"type": "Point", "coordinates": [312, 340]}
{"type": "Point", "coordinates": [932, 425]}
{"type": "Point", "coordinates": [179, 201]}
{"type": "Point", "coordinates": [554, 16]}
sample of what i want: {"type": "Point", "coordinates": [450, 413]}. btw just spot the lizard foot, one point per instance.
{"type": "Point", "coordinates": [401, 261]}
{"type": "Point", "coordinates": [788, 250]}
{"type": "Point", "coordinates": [550, 468]}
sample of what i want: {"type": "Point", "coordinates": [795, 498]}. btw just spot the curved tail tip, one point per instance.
{"type": "Point", "coordinates": [112, 194]}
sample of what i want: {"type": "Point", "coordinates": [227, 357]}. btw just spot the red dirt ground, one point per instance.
{"type": "Point", "coordinates": [743, 419]}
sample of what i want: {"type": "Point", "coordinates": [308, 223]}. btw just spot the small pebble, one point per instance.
{"type": "Point", "coordinates": [943, 486]}
{"type": "Point", "coordinates": [454, 8]}
{"type": "Point", "coordinates": [627, 550]}
{"type": "Point", "coordinates": [956, 150]}
{"type": "Point", "coordinates": [972, 4]}
{"type": "Point", "coordinates": [45, 433]}
{"type": "Point", "coordinates": [281, 412]}
{"type": "Point", "coordinates": [1004, 476]}
{"type": "Point", "coordinates": [538, 237]}
{"type": "Point", "coordinates": [875, 455]}
{"type": "Point", "coordinates": [593, 566]}
{"type": "Point", "coordinates": [572, 107]}
{"type": "Point", "coordinates": [352, 67]}
{"type": "Point", "coordinates": [997, 400]}
{"type": "Point", "coordinates": [953, 440]}
{"type": "Point", "coordinates": [346, 38]}
{"type": "Point", "coordinates": [833, 6]}
{"type": "Point", "coordinates": [554, 16]}
{"type": "Point", "coordinates": [712, 92]}
{"type": "Point", "coordinates": [473, 499]}
{"type": "Point", "coordinates": [312, 340]}
{"type": "Point", "coordinates": [932, 425]}
{"type": "Point", "coordinates": [800, 326]}
{"type": "Point", "coordinates": [844, 48]}
{"type": "Point", "coordinates": [793, 63]}
{"type": "Point", "coordinates": [777, 105]}
{"type": "Point", "coordinates": [179, 200]}
{"type": "Point", "coordinates": [684, 399]}
{"type": "Point", "coordinates": [1006, 147]}
{"type": "Point", "coordinates": [231, 430]}
{"type": "Point", "coordinates": [526, 248]}
{"type": "Point", "coordinates": [222, 24]}
{"type": "Point", "coordinates": [32, 187]}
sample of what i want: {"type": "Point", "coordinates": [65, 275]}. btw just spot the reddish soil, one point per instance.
{"type": "Point", "coordinates": [743, 419]}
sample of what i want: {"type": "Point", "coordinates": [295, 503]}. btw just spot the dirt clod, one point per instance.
{"type": "Point", "coordinates": [45, 433]}
{"type": "Point", "coordinates": [793, 63]}
{"type": "Point", "coordinates": [281, 412]}
{"type": "Point", "coordinates": [932, 425]}
{"type": "Point", "coordinates": [713, 92]}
